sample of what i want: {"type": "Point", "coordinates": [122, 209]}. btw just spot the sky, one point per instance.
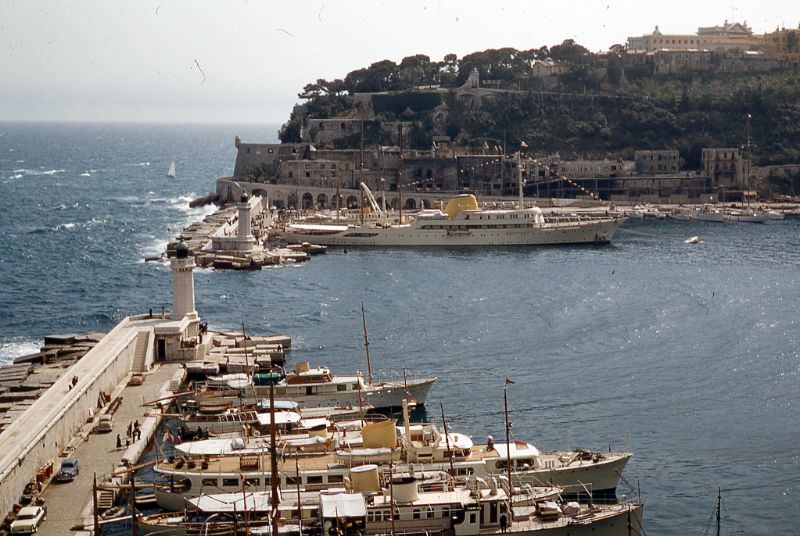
{"type": "Point", "coordinates": [244, 61]}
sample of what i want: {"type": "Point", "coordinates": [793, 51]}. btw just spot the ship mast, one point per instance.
{"type": "Point", "coordinates": [273, 461]}
{"type": "Point", "coordinates": [519, 178]}
{"type": "Point", "coordinates": [400, 174]}
{"type": "Point", "coordinates": [447, 441]}
{"type": "Point", "coordinates": [366, 345]}
{"type": "Point", "coordinates": [508, 439]}
{"type": "Point", "coordinates": [719, 509]}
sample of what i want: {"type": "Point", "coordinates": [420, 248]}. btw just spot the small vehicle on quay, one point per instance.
{"type": "Point", "coordinates": [104, 425]}
{"type": "Point", "coordinates": [70, 468]}
{"type": "Point", "coordinates": [28, 520]}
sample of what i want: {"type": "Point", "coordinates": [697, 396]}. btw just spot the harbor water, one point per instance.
{"type": "Point", "coordinates": [685, 354]}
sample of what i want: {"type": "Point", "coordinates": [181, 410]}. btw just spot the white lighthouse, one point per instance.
{"type": "Point", "coordinates": [182, 283]}
{"type": "Point", "coordinates": [244, 233]}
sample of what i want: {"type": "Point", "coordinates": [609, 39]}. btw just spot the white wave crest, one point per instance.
{"type": "Point", "coordinates": [38, 172]}
{"type": "Point", "coordinates": [15, 347]}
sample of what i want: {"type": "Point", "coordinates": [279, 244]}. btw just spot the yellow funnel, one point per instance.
{"type": "Point", "coordinates": [381, 434]}
{"type": "Point", "coordinates": [460, 204]}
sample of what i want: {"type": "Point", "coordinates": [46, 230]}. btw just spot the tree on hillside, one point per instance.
{"type": "Point", "coordinates": [380, 76]}
{"type": "Point", "coordinates": [570, 51]}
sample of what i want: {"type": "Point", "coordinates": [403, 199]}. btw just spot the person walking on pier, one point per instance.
{"type": "Point", "coordinates": [119, 442]}
{"type": "Point", "coordinates": [130, 429]}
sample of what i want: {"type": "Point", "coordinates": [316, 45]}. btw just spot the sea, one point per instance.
{"type": "Point", "coordinates": [685, 354]}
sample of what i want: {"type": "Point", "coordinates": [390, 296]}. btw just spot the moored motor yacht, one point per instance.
{"type": "Point", "coordinates": [419, 445]}
{"type": "Point", "coordinates": [319, 387]}
{"type": "Point", "coordinates": [463, 223]}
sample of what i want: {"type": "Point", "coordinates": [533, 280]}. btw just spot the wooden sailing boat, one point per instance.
{"type": "Point", "coordinates": [171, 170]}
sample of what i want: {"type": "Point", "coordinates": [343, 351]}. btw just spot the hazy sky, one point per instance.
{"type": "Point", "coordinates": [135, 60]}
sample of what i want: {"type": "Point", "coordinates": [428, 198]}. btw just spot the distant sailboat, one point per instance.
{"type": "Point", "coordinates": [171, 170]}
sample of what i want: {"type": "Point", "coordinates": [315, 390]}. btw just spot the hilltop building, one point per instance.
{"type": "Point", "coordinates": [729, 36]}
{"type": "Point", "coordinates": [784, 42]}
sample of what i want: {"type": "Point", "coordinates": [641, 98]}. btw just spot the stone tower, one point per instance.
{"type": "Point", "coordinates": [182, 282]}
{"type": "Point", "coordinates": [244, 216]}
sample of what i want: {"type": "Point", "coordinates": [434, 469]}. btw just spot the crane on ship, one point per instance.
{"type": "Point", "coordinates": [373, 203]}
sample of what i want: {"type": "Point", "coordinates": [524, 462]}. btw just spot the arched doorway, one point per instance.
{"type": "Point", "coordinates": [308, 201]}
{"type": "Point", "coordinates": [410, 204]}
{"type": "Point", "coordinates": [352, 201]}
{"type": "Point", "coordinates": [276, 199]}
{"type": "Point", "coordinates": [291, 201]}
{"type": "Point", "coordinates": [426, 203]}
{"type": "Point", "coordinates": [394, 203]}
{"type": "Point", "coordinates": [322, 201]}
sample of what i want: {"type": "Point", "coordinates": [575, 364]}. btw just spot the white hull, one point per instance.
{"type": "Point", "coordinates": [627, 521]}
{"type": "Point", "coordinates": [716, 217]}
{"type": "Point", "coordinates": [586, 232]}
{"type": "Point", "coordinates": [378, 395]}
{"type": "Point", "coordinates": [742, 218]}
{"type": "Point", "coordinates": [602, 476]}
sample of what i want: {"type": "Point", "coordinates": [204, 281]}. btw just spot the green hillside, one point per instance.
{"type": "Point", "coordinates": [605, 103]}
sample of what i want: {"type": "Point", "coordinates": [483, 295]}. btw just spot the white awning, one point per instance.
{"type": "Point", "coordinates": [315, 422]}
{"type": "Point", "coordinates": [519, 449]}
{"type": "Point", "coordinates": [341, 505]}
{"type": "Point", "coordinates": [281, 417]}
{"type": "Point", "coordinates": [232, 502]}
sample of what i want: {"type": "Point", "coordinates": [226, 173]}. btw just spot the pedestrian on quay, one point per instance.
{"type": "Point", "coordinates": [130, 429]}
{"type": "Point", "coordinates": [119, 442]}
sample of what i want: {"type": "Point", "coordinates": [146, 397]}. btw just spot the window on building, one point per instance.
{"type": "Point", "coordinates": [230, 482]}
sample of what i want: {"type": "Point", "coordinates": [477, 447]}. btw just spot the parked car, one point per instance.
{"type": "Point", "coordinates": [70, 468]}
{"type": "Point", "coordinates": [105, 424]}
{"type": "Point", "coordinates": [136, 379]}
{"type": "Point", "coordinates": [28, 520]}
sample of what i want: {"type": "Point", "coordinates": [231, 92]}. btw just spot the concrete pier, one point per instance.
{"type": "Point", "coordinates": [69, 505]}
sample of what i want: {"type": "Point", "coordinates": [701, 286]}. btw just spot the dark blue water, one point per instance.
{"type": "Point", "coordinates": [688, 355]}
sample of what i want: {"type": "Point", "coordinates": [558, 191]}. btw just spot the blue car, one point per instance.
{"type": "Point", "coordinates": [69, 470]}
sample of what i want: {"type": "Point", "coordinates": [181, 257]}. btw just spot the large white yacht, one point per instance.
{"type": "Point", "coordinates": [314, 387]}
{"type": "Point", "coordinates": [419, 445]}
{"type": "Point", "coordinates": [462, 223]}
